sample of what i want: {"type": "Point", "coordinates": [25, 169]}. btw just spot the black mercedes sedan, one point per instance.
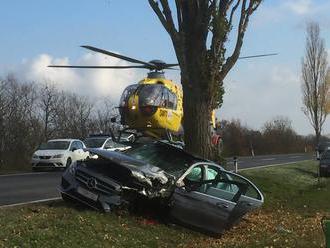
{"type": "Point", "coordinates": [196, 192]}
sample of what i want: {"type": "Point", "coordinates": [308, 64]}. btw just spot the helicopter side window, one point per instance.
{"type": "Point", "coordinates": [126, 95]}
{"type": "Point", "coordinates": [165, 98]}
{"type": "Point", "coordinates": [172, 100]}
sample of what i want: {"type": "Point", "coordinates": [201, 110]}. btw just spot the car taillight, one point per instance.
{"type": "Point", "coordinates": [148, 110]}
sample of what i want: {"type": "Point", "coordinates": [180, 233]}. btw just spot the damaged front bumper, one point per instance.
{"type": "Point", "coordinates": [101, 192]}
{"type": "Point", "coordinates": [90, 192]}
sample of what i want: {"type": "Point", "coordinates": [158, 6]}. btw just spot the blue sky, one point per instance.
{"type": "Point", "coordinates": [36, 33]}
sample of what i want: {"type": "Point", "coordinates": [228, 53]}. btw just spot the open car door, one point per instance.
{"type": "Point", "coordinates": [213, 199]}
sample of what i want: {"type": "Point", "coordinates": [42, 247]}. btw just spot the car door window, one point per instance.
{"type": "Point", "coordinates": [229, 186]}
{"type": "Point", "coordinates": [80, 145]}
{"type": "Point", "coordinates": [194, 179]}
{"type": "Point", "coordinates": [74, 146]}
{"type": "Point", "coordinates": [195, 174]}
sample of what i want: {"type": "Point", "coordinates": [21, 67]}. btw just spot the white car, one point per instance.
{"type": "Point", "coordinates": [104, 142]}
{"type": "Point", "coordinates": [58, 153]}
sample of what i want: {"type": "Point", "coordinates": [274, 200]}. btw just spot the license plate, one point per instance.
{"type": "Point", "coordinates": [87, 194]}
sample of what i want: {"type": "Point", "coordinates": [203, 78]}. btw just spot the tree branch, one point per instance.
{"type": "Point", "coordinates": [165, 19]}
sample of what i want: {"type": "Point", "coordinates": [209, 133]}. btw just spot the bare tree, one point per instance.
{"type": "Point", "coordinates": [48, 100]}
{"type": "Point", "coordinates": [19, 124]}
{"type": "Point", "coordinates": [73, 114]}
{"type": "Point", "coordinates": [315, 75]}
{"type": "Point", "coordinates": [199, 36]}
{"type": "Point", "coordinates": [104, 112]}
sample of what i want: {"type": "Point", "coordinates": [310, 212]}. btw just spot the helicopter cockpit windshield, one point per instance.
{"type": "Point", "coordinates": [157, 95]}
{"type": "Point", "coordinates": [151, 95]}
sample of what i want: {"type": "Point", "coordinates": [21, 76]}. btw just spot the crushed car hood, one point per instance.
{"type": "Point", "coordinates": [155, 180]}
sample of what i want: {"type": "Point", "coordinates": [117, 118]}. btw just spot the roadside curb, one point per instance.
{"type": "Point", "coordinates": [30, 202]}
{"type": "Point", "coordinates": [23, 174]}
{"type": "Point", "coordinates": [272, 165]}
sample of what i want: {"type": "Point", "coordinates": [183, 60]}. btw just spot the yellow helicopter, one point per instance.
{"type": "Point", "coordinates": [153, 105]}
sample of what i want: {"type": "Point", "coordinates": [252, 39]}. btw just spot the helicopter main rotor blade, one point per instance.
{"type": "Point", "coordinates": [170, 65]}
{"type": "Point", "coordinates": [259, 55]}
{"type": "Point", "coordinates": [119, 56]}
{"type": "Point", "coordinates": [98, 67]}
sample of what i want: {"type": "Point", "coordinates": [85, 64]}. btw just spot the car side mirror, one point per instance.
{"type": "Point", "coordinates": [73, 149]}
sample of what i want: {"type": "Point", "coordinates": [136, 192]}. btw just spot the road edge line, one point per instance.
{"type": "Point", "coordinates": [30, 202]}
{"type": "Point", "coordinates": [272, 165]}
{"type": "Point", "coordinates": [23, 174]}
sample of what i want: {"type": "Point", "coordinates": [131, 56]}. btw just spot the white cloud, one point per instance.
{"type": "Point", "coordinates": [90, 82]}
{"type": "Point", "coordinates": [268, 93]}
{"type": "Point", "coordinates": [300, 7]}
{"type": "Point", "coordinates": [286, 11]}
{"type": "Point", "coordinates": [255, 93]}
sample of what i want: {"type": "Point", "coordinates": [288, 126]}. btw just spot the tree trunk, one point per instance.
{"type": "Point", "coordinates": [317, 137]}
{"type": "Point", "coordinates": [196, 123]}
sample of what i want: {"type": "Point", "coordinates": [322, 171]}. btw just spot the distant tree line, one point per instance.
{"type": "Point", "coordinates": [277, 136]}
{"type": "Point", "coordinates": [32, 113]}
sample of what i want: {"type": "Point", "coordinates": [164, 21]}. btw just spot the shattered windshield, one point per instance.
{"type": "Point", "coordinates": [167, 158]}
{"type": "Point", "coordinates": [95, 142]}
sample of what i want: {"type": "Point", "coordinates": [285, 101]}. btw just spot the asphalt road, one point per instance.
{"type": "Point", "coordinates": [24, 188]}
{"type": "Point", "coordinates": [266, 160]}
{"type": "Point", "coordinates": [28, 187]}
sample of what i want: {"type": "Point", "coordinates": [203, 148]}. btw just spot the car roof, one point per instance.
{"type": "Point", "coordinates": [64, 140]}
{"type": "Point", "coordinates": [98, 137]}
{"type": "Point", "coordinates": [177, 147]}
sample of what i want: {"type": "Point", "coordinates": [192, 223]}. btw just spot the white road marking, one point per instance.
{"type": "Point", "coordinates": [272, 165]}
{"type": "Point", "coordinates": [24, 174]}
{"type": "Point", "coordinates": [30, 202]}
{"type": "Point", "coordinates": [267, 159]}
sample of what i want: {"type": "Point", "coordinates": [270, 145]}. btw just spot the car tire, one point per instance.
{"type": "Point", "coordinates": [68, 163]}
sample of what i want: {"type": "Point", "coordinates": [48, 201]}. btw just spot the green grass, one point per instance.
{"type": "Point", "coordinates": [295, 204]}
{"type": "Point", "coordinates": [295, 187]}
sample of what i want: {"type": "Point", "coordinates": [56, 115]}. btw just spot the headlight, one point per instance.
{"type": "Point", "coordinates": [73, 168]}
{"type": "Point", "coordinates": [35, 156]}
{"type": "Point", "coordinates": [58, 156]}
{"type": "Point", "coordinates": [140, 176]}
